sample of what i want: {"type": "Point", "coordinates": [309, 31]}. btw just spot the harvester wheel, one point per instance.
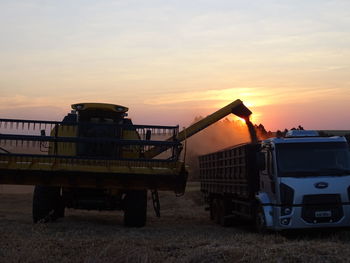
{"type": "Point", "coordinates": [47, 204]}
{"type": "Point", "coordinates": [135, 208]}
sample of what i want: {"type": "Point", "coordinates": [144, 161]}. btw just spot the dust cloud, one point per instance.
{"type": "Point", "coordinates": [220, 135]}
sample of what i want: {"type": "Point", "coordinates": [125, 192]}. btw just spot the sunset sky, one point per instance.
{"type": "Point", "coordinates": [170, 61]}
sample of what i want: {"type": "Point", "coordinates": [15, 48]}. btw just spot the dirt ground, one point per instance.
{"type": "Point", "coordinates": [184, 233]}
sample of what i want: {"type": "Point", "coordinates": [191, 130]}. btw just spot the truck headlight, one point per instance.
{"type": "Point", "coordinates": [286, 211]}
{"type": "Point", "coordinates": [285, 221]}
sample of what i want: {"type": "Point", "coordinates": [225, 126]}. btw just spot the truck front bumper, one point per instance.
{"type": "Point", "coordinates": [302, 217]}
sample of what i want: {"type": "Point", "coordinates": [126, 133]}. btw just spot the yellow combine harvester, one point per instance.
{"type": "Point", "coordinates": [96, 158]}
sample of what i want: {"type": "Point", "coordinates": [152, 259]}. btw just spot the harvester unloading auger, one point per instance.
{"type": "Point", "coordinates": [96, 158]}
{"type": "Point", "coordinates": [237, 108]}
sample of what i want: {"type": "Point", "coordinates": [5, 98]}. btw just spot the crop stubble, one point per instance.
{"type": "Point", "coordinates": [184, 233]}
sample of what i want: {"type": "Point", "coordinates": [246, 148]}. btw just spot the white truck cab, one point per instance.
{"type": "Point", "coordinates": [305, 181]}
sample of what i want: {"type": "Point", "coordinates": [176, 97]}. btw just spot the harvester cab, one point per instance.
{"type": "Point", "coordinates": [102, 120]}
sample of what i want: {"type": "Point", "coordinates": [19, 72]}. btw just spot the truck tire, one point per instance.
{"type": "Point", "coordinates": [47, 204]}
{"type": "Point", "coordinates": [215, 210]}
{"type": "Point", "coordinates": [224, 211]}
{"type": "Point", "coordinates": [135, 208]}
{"type": "Point", "coordinates": [219, 209]}
{"type": "Point", "coordinates": [211, 209]}
{"type": "Point", "coordinates": [260, 221]}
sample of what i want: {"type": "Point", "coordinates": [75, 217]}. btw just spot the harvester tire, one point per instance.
{"type": "Point", "coordinates": [47, 204]}
{"type": "Point", "coordinates": [135, 208]}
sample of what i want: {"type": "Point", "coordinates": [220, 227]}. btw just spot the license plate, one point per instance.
{"type": "Point", "coordinates": [323, 213]}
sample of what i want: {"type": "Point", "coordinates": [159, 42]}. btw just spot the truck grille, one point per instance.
{"type": "Point", "coordinates": [322, 208]}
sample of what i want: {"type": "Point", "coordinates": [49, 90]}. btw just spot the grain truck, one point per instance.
{"type": "Point", "coordinates": [299, 181]}
{"type": "Point", "coordinates": [97, 159]}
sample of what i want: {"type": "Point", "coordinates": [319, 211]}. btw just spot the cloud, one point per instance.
{"type": "Point", "coordinates": [21, 101]}
{"type": "Point", "coordinates": [254, 97]}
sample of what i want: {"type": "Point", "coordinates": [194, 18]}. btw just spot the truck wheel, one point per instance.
{"type": "Point", "coordinates": [223, 212]}
{"type": "Point", "coordinates": [135, 208]}
{"type": "Point", "coordinates": [211, 209]}
{"type": "Point", "coordinates": [260, 221]}
{"type": "Point", "coordinates": [47, 204]}
{"type": "Point", "coordinates": [219, 210]}
{"type": "Point", "coordinates": [216, 210]}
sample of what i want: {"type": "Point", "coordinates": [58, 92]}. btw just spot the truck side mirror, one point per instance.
{"type": "Point", "coordinates": [261, 161]}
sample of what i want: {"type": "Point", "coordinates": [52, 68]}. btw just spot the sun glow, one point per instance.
{"type": "Point", "coordinates": [241, 120]}
{"type": "Point", "coordinates": [254, 118]}
{"type": "Point", "coordinates": [238, 120]}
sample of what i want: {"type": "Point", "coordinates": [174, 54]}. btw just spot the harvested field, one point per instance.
{"type": "Point", "coordinates": [184, 233]}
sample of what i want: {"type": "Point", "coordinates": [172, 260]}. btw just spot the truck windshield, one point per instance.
{"type": "Point", "coordinates": [313, 159]}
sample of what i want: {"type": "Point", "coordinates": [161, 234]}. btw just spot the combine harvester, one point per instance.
{"type": "Point", "coordinates": [299, 181]}
{"type": "Point", "coordinates": [97, 159]}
